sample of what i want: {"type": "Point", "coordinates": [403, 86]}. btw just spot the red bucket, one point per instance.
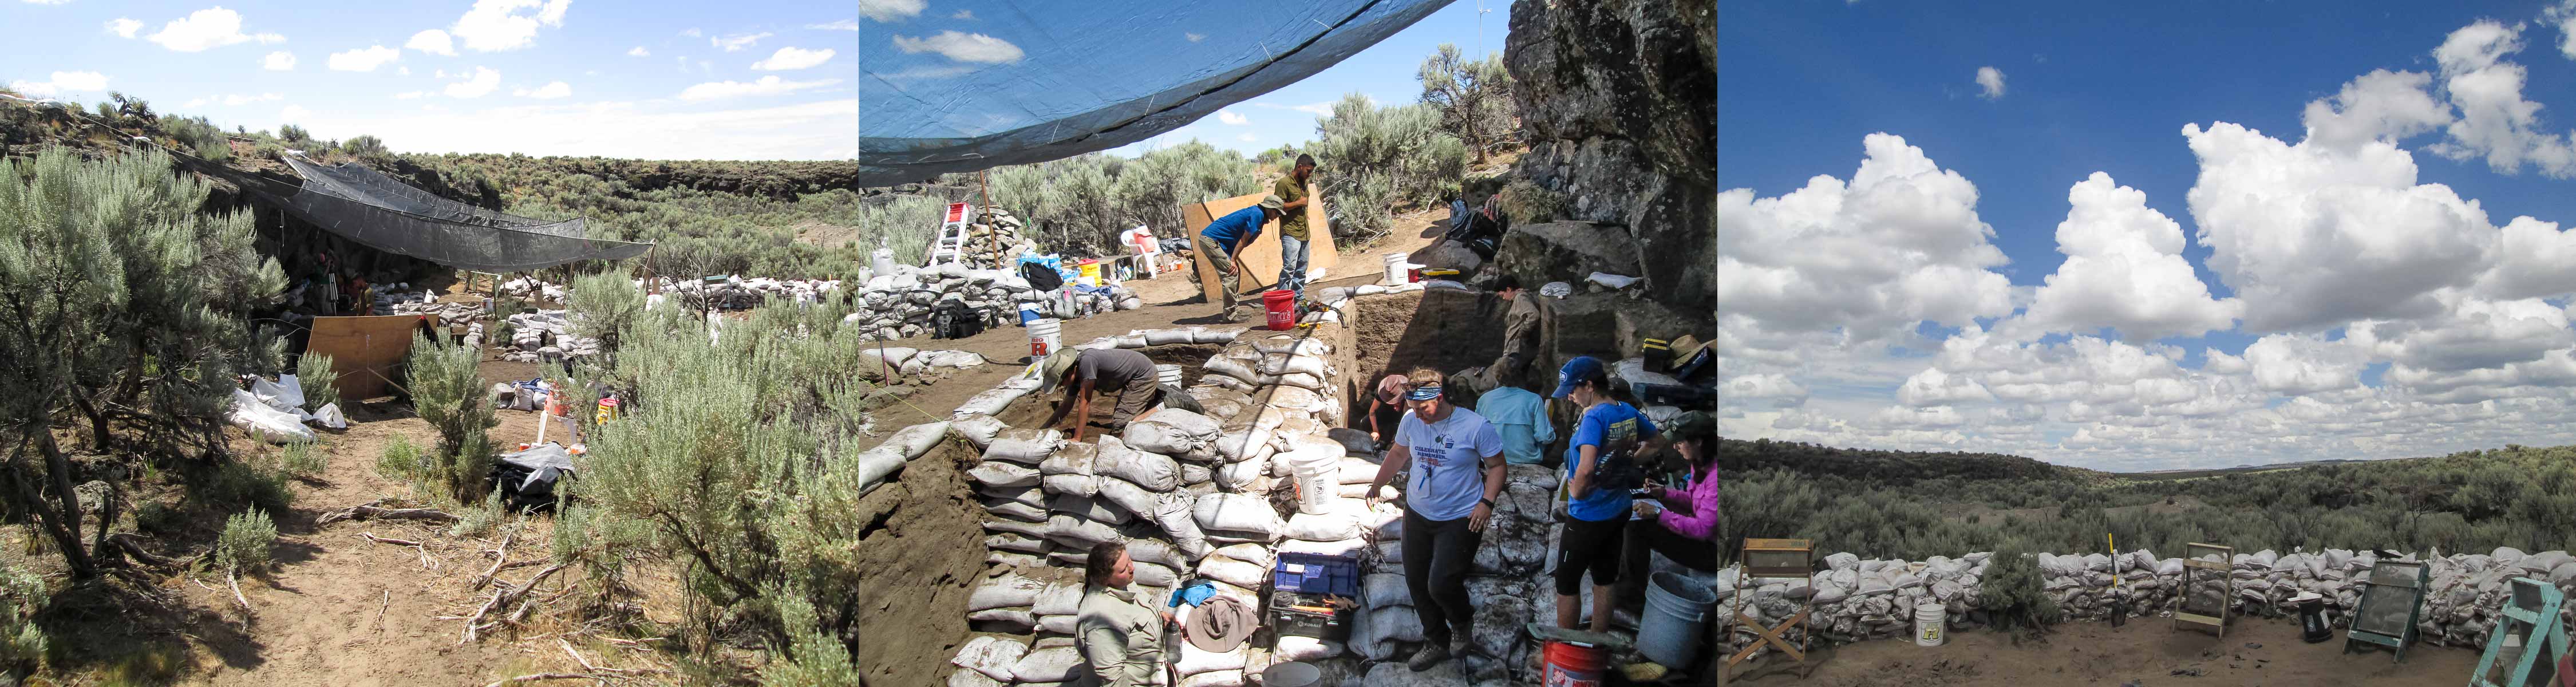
{"type": "Point", "coordinates": [1282, 306]}
{"type": "Point", "coordinates": [1573, 665]}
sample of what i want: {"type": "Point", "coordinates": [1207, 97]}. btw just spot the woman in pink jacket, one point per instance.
{"type": "Point", "coordinates": [1685, 518]}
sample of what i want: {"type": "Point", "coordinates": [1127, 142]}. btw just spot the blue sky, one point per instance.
{"type": "Point", "coordinates": [2400, 219]}
{"type": "Point", "coordinates": [545, 77]}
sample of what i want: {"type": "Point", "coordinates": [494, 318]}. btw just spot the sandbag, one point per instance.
{"type": "Point", "coordinates": [892, 358]}
{"type": "Point", "coordinates": [1292, 364]}
{"type": "Point", "coordinates": [1008, 590]}
{"type": "Point", "coordinates": [1171, 432]}
{"type": "Point", "coordinates": [1235, 572]}
{"type": "Point", "coordinates": [1215, 678]}
{"type": "Point", "coordinates": [1079, 533]}
{"type": "Point", "coordinates": [1014, 510]}
{"type": "Point", "coordinates": [1342, 547]}
{"type": "Point", "coordinates": [992, 656]}
{"type": "Point", "coordinates": [1381, 630]}
{"type": "Point", "coordinates": [1286, 345]}
{"type": "Point", "coordinates": [1242, 443]}
{"type": "Point", "coordinates": [1340, 521]}
{"type": "Point", "coordinates": [1013, 542]}
{"type": "Point", "coordinates": [1236, 476]}
{"type": "Point", "coordinates": [1228, 382]}
{"type": "Point", "coordinates": [1026, 529]}
{"type": "Point", "coordinates": [977, 429]}
{"type": "Point", "coordinates": [1085, 485]}
{"type": "Point", "coordinates": [1071, 459]}
{"type": "Point", "coordinates": [874, 465]}
{"type": "Point", "coordinates": [1015, 619]}
{"type": "Point", "coordinates": [1197, 473]}
{"type": "Point", "coordinates": [990, 401]}
{"type": "Point", "coordinates": [994, 473]}
{"type": "Point", "coordinates": [1128, 497]}
{"type": "Point", "coordinates": [1153, 471]}
{"type": "Point", "coordinates": [1305, 649]}
{"type": "Point", "coordinates": [1177, 514]}
{"type": "Point", "coordinates": [1155, 575]}
{"type": "Point", "coordinates": [1216, 336]}
{"type": "Point", "coordinates": [1024, 446]}
{"type": "Point", "coordinates": [956, 359]}
{"type": "Point", "coordinates": [1360, 471]}
{"type": "Point", "coordinates": [1380, 590]}
{"type": "Point", "coordinates": [1028, 495]}
{"type": "Point", "coordinates": [1157, 552]}
{"type": "Point", "coordinates": [1256, 554]}
{"type": "Point", "coordinates": [1089, 508]}
{"type": "Point", "coordinates": [1194, 660]}
{"type": "Point", "coordinates": [1061, 664]}
{"type": "Point", "coordinates": [1235, 368]}
{"type": "Point", "coordinates": [1061, 598]}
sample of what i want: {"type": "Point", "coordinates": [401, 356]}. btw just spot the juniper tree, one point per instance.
{"type": "Point", "coordinates": [121, 313]}
{"type": "Point", "coordinates": [1474, 97]}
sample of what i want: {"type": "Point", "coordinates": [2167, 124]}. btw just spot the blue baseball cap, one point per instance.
{"type": "Point", "coordinates": [1575, 370]}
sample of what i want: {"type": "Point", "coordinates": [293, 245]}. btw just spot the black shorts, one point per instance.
{"type": "Point", "coordinates": [1589, 546]}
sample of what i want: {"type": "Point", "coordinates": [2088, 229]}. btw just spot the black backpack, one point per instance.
{"type": "Point", "coordinates": [953, 320]}
{"type": "Point", "coordinates": [1480, 230]}
{"type": "Point", "coordinates": [1041, 277]}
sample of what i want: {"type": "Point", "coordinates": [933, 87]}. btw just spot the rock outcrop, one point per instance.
{"type": "Point", "coordinates": [1619, 98]}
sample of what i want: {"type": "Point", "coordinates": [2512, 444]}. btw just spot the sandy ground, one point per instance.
{"type": "Point", "coordinates": [2144, 652]}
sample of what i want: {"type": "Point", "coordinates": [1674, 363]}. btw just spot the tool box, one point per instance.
{"type": "Point", "coordinates": [1299, 614]}
{"type": "Point", "coordinates": [1315, 573]}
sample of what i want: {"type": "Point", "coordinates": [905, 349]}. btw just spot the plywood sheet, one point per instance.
{"type": "Point", "coordinates": [1261, 259]}
{"type": "Point", "coordinates": [363, 350]}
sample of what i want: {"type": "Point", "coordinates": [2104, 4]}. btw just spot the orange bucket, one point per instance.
{"type": "Point", "coordinates": [1572, 665]}
{"type": "Point", "coordinates": [1282, 306]}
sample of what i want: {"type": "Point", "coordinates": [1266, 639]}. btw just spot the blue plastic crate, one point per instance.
{"type": "Point", "coordinates": [1309, 573]}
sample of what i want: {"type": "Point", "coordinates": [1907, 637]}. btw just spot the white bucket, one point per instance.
{"type": "Point", "coordinates": [1168, 374]}
{"type": "Point", "coordinates": [1928, 620]}
{"type": "Point", "coordinates": [881, 262]}
{"type": "Point", "coordinates": [1045, 336]}
{"type": "Point", "coordinates": [1396, 268]}
{"type": "Point", "coordinates": [1318, 480]}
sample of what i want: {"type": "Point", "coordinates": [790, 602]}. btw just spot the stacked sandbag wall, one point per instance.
{"type": "Point", "coordinates": [1860, 600]}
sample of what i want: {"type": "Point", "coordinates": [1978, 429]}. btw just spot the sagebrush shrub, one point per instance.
{"type": "Point", "coordinates": [2011, 591]}
{"type": "Point", "coordinates": [244, 545]}
{"type": "Point", "coordinates": [320, 386]}
{"type": "Point", "coordinates": [303, 460]}
{"type": "Point", "coordinates": [447, 390]}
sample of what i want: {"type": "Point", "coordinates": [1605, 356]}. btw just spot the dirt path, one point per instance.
{"type": "Point", "coordinates": [2144, 652]}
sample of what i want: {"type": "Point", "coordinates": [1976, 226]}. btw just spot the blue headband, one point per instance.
{"type": "Point", "coordinates": [1424, 393]}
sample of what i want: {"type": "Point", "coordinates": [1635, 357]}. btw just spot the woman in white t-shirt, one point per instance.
{"type": "Point", "coordinates": [1453, 465]}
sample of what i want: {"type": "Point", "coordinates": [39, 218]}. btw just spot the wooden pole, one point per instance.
{"type": "Point", "coordinates": [984, 190]}
{"type": "Point", "coordinates": [650, 288]}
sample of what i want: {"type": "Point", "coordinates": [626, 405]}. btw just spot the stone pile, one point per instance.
{"type": "Point", "coordinates": [737, 293]}
{"type": "Point", "coordinates": [534, 290]}
{"type": "Point", "coordinates": [995, 240]}
{"type": "Point", "coordinates": [1858, 600]}
{"type": "Point", "coordinates": [544, 336]}
{"type": "Point", "coordinates": [901, 305]}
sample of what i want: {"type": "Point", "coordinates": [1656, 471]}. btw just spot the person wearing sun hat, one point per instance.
{"type": "Point", "coordinates": [1680, 521]}
{"type": "Point", "coordinates": [1128, 374]}
{"type": "Point", "coordinates": [1601, 465]}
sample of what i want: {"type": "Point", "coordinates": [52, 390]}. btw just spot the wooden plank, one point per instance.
{"type": "Point", "coordinates": [363, 350]}
{"type": "Point", "coordinates": [1261, 258]}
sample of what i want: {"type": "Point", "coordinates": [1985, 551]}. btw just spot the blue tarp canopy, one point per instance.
{"type": "Point", "coordinates": [1036, 80]}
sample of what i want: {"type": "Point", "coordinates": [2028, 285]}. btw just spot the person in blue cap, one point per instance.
{"type": "Point", "coordinates": [1223, 241]}
{"type": "Point", "coordinates": [1601, 466]}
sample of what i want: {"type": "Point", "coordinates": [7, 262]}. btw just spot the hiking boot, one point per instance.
{"type": "Point", "coordinates": [1431, 655]}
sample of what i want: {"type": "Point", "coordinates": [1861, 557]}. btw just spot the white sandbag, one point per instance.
{"type": "Point", "coordinates": [1384, 628]}
{"type": "Point", "coordinates": [1024, 446]}
{"type": "Point", "coordinates": [1157, 552]}
{"type": "Point", "coordinates": [1197, 473]}
{"type": "Point", "coordinates": [1129, 341]}
{"type": "Point", "coordinates": [1014, 619]}
{"type": "Point", "coordinates": [893, 358]}
{"type": "Point", "coordinates": [1090, 508]}
{"type": "Point", "coordinates": [956, 359]}
{"type": "Point", "coordinates": [1215, 678]}
{"type": "Point", "coordinates": [1256, 554]}
{"type": "Point", "coordinates": [1007, 590]}
{"type": "Point", "coordinates": [991, 401]}
{"type": "Point", "coordinates": [1380, 590]}
{"type": "Point", "coordinates": [994, 473]}
{"type": "Point", "coordinates": [1242, 443]}
{"type": "Point", "coordinates": [1128, 497]}
{"type": "Point", "coordinates": [1177, 513]}
{"type": "Point", "coordinates": [1234, 572]}
{"type": "Point", "coordinates": [1238, 475]}
{"type": "Point", "coordinates": [1360, 471]}
{"type": "Point", "coordinates": [1294, 364]}
{"type": "Point", "coordinates": [993, 656]}
{"type": "Point", "coordinates": [874, 465]}
{"type": "Point", "coordinates": [1343, 547]}
{"type": "Point", "coordinates": [1061, 664]}
{"type": "Point", "coordinates": [1153, 471]}
{"type": "Point", "coordinates": [1155, 575]}
{"type": "Point", "coordinates": [1061, 598]}
{"type": "Point", "coordinates": [1340, 521]}
{"type": "Point", "coordinates": [1013, 509]}
{"type": "Point", "coordinates": [1216, 336]}
{"type": "Point", "coordinates": [1071, 459]}
{"type": "Point", "coordinates": [1028, 495]}
{"type": "Point", "coordinates": [1013, 542]}
{"type": "Point", "coordinates": [1026, 529]}
{"type": "Point", "coordinates": [969, 678]}
{"type": "Point", "coordinates": [1194, 660]}
{"type": "Point", "coordinates": [976, 428]}
{"type": "Point", "coordinates": [1175, 431]}
{"type": "Point", "coordinates": [1305, 649]}
{"type": "Point", "coordinates": [1166, 337]}
{"type": "Point", "coordinates": [1231, 367]}
{"type": "Point", "coordinates": [1085, 485]}
{"type": "Point", "coordinates": [1289, 345]}
{"type": "Point", "coordinates": [1079, 533]}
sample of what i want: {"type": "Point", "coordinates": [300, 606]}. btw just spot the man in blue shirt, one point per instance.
{"type": "Point", "coordinates": [1223, 240]}
{"type": "Point", "coordinates": [1600, 464]}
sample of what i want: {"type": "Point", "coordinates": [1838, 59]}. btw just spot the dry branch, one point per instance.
{"type": "Point", "coordinates": [547, 676]}
{"type": "Point", "coordinates": [501, 556]}
{"type": "Point", "coordinates": [370, 511]}
{"type": "Point", "coordinates": [371, 536]}
{"type": "Point", "coordinates": [502, 598]}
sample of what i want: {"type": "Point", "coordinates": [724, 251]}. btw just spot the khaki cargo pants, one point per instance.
{"type": "Point", "coordinates": [1217, 258]}
{"type": "Point", "coordinates": [1132, 401]}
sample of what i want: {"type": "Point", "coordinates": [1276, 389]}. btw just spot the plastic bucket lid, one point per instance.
{"type": "Point", "coordinates": [1292, 674]}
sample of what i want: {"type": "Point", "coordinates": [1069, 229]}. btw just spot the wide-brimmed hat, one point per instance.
{"type": "Point", "coordinates": [1271, 202]}
{"type": "Point", "coordinates": [1219, 624]}
{"type": "Point", "coordinates": [1051, 370]}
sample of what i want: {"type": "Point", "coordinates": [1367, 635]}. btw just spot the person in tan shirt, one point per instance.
{"type": "Point", "coordinates": [1118, 632]}
{"type": "Point", "coordinates": [1293, 249]}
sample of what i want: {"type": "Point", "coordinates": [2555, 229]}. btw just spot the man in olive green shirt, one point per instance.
{"type": "Point", "coordinates": [1292, 225]}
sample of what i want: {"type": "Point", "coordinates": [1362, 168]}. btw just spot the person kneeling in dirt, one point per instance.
{"type": "Point", "coordinates": [1453, 461]}
{"type": "Point", "coordinates": [1223, 241]}
{"type": "Point", "coordinates": [1128, 374]}
{"type": "Point", "coordinates": [1390, 402]}
{"type": "Point", "coordinates": [1601, 465]}
{"type": "Point", "coordinates": [1120, 636]}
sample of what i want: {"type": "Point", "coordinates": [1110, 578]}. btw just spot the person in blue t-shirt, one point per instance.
{"type": "Point", "coordinates": [1453, 462]}
{"type": "Point", "coordinates": [1600, 461]}
{"type": "Point", "coordinates": [1223, 241]}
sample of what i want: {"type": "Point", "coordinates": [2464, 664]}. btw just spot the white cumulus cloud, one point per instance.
{"type": "Point", "coordinates": [2124, 269]}
{"type": "Point", "coordinates": [842, 25]}
{"type": "Point", "coordinates": [123, 27]}
{"type": "Point", "coordinates": [434, 42]}
{"type": "Point", "coordinates": [549, 91]}
{"type": "Point", "coordinates": [482, 83]}
{"type": "Point", "coordinates": [891, 10]}
{"type": "Point", "coordinates": [278, 61]}
{"type": "Point", "coordinates": [496, 25]}
{"type": "Point", "coordinates": [1990, 83]}
{"type": "Point", "coordinates": [62, 82]}
{"type": "Point", "coordinates": [792, 58]}
{"type": "Point", "coordinates": [639, 51]}
{"type": "Point", "coordinates": [363, 59]}
{"type": "Point", "coordinates": [207, 28]}
{"type": "Point", "coordinates": [737, 42]}
{"type": "Point", "coordinates": [767, 85]}
{"type": "Point", "coordinates": [962, 47]}
{"type": "Point", "coordinates": [1229, 117]}
{"type": "Point", "coordinates": [2495, 122]}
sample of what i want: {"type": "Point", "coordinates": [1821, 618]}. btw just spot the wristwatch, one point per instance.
{"type": "Point", "coordinates": [1489, 503]}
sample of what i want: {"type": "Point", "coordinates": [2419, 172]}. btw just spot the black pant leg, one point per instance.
{"type": "Point", "coordinates": [1454, 554]}
{"type": "Point", "coordinates": [1419, 548]}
